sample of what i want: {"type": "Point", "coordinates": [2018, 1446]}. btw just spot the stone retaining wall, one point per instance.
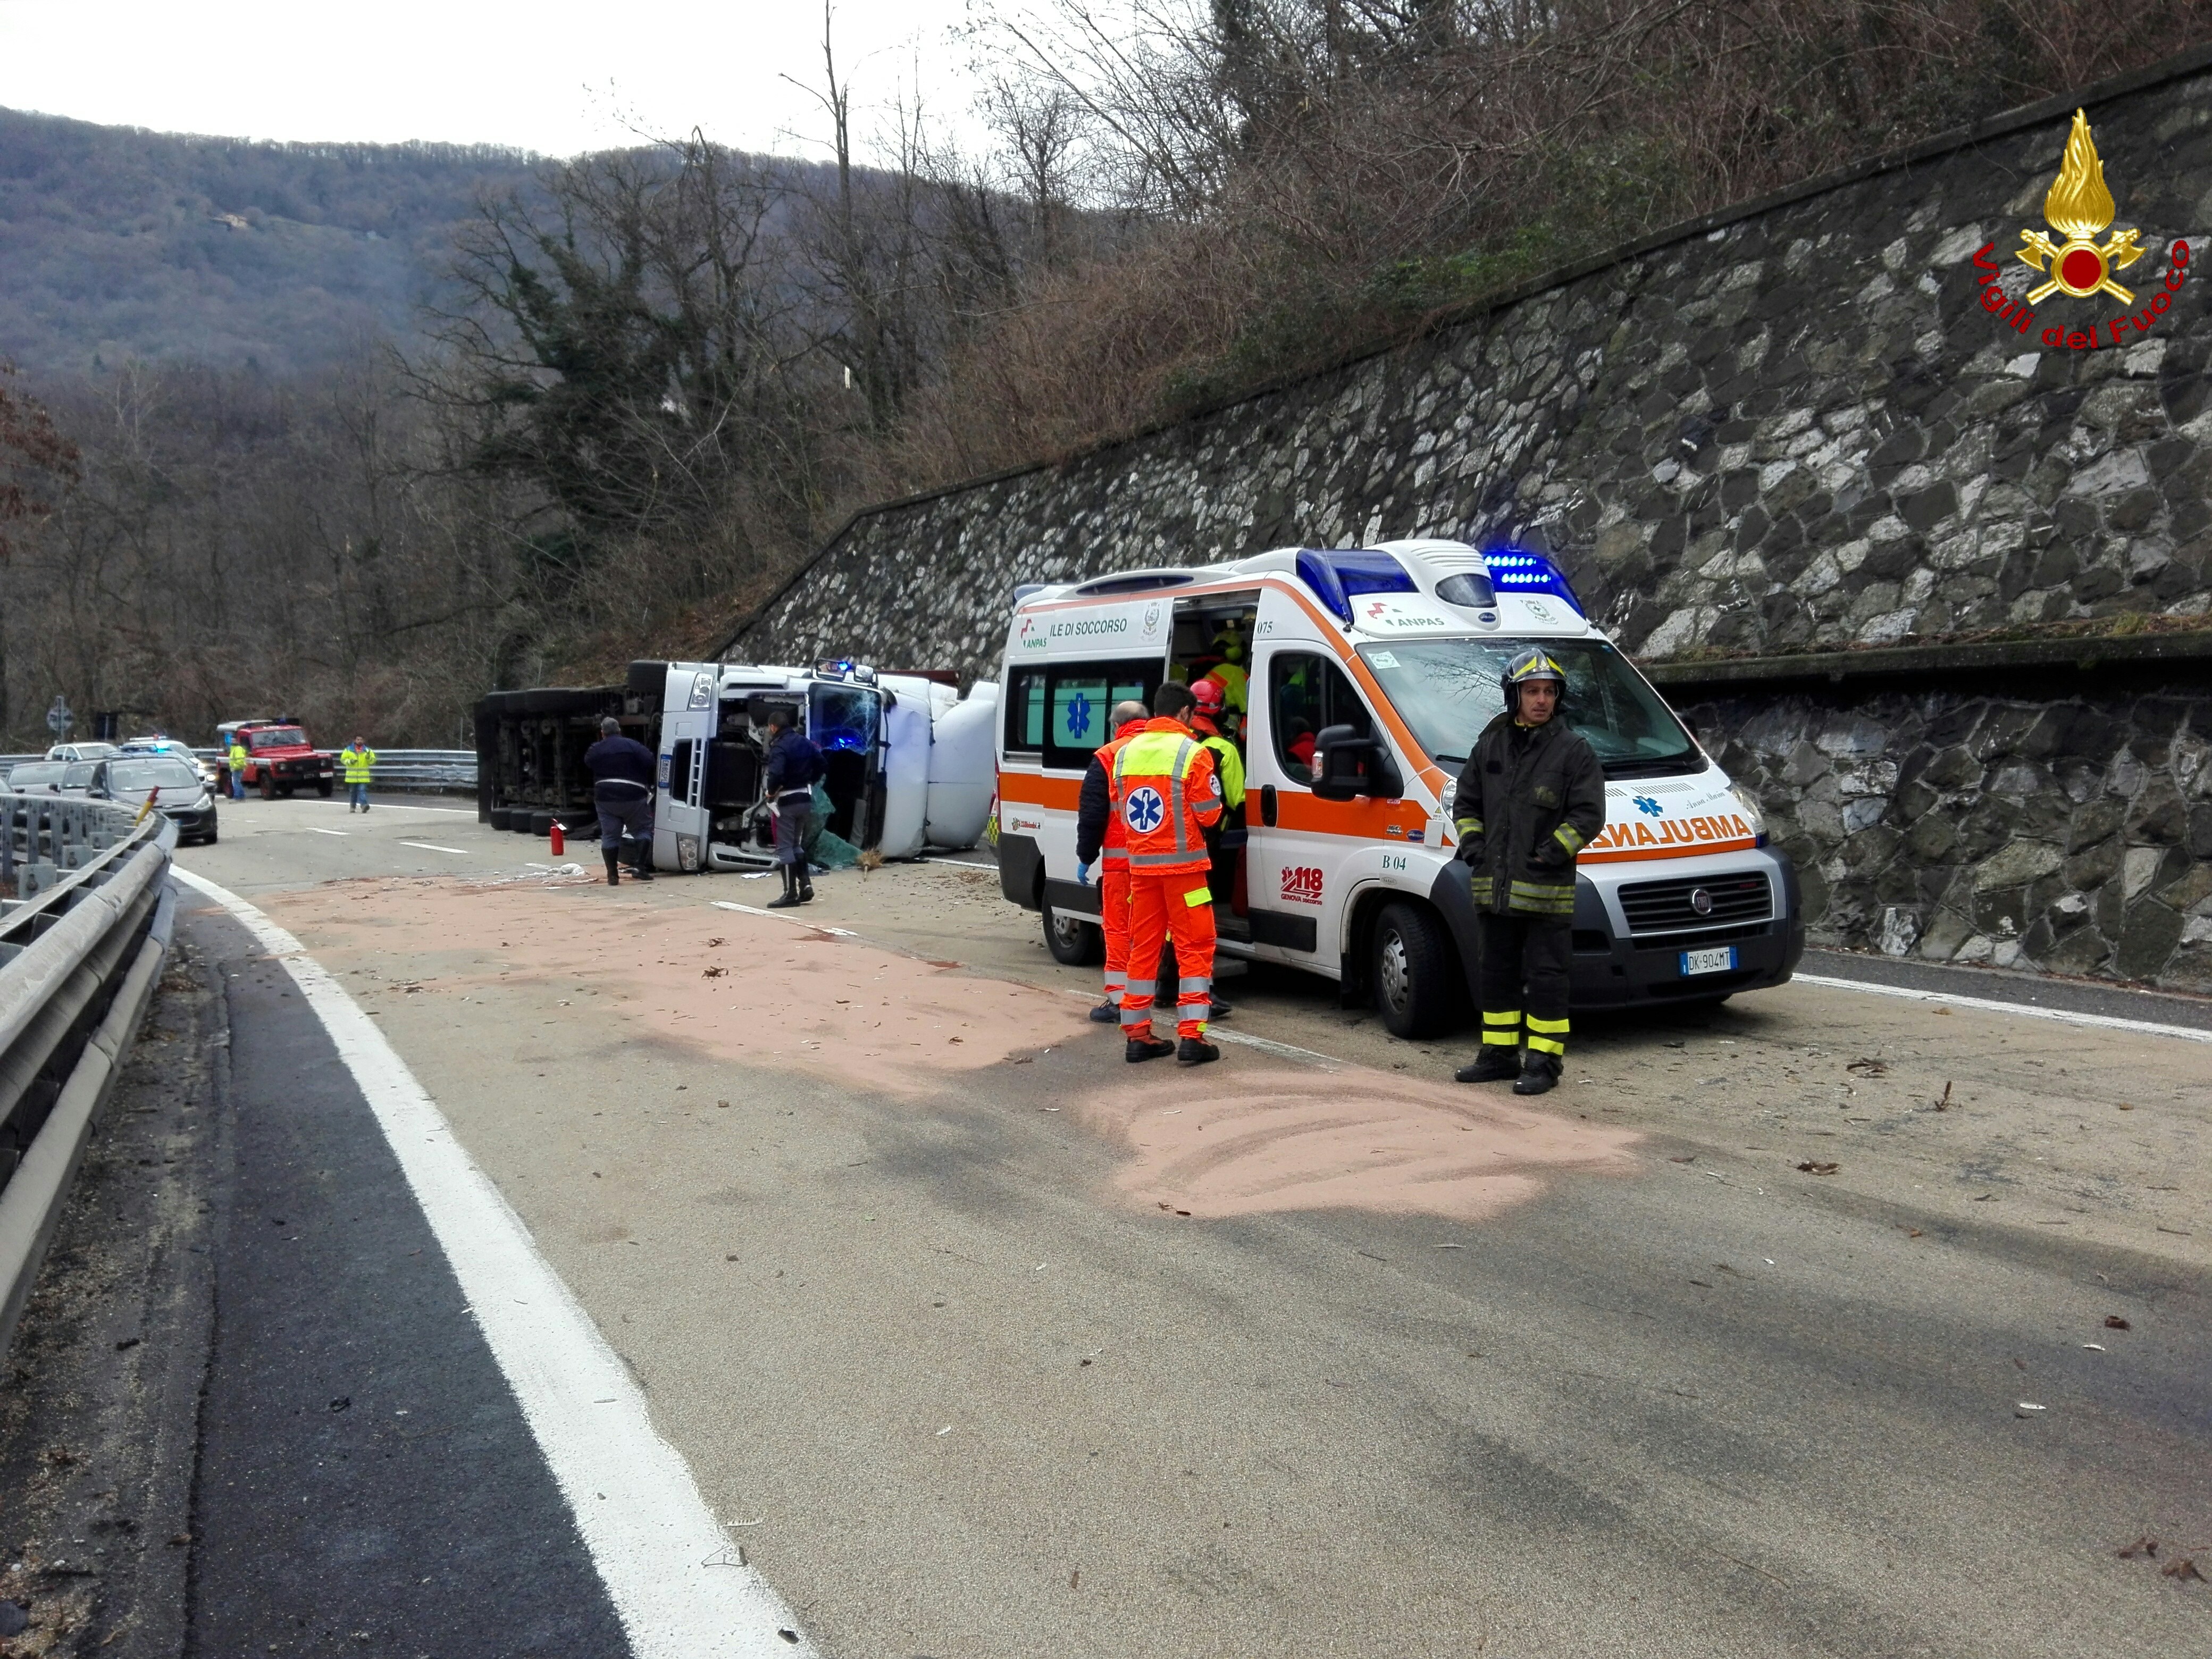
{"type": "Point", "coordinates": [1793, 425]}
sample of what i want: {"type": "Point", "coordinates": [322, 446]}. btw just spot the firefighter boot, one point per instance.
{"type": "Point", "coordinates": [1538, 1073]}
{"type": "Point", "coordinates": [1195, 1051]}
{"type": "Point", "coordinates": [806, 883]}
{"type": "Point", "coordinates": [613, 856]}
{"type": "Point", "coordinates": [790, 890]}
{"type": "Point", "coordinates": [1491, 1064]}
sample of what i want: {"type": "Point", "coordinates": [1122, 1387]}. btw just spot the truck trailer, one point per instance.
{"type": "Point", "coordinates": [909, 761]}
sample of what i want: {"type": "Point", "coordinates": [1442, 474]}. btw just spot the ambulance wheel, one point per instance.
{"type": "Point", "coordinates": [1414, 972]}
{"type": "Point", "coordinates": [1071, 941]}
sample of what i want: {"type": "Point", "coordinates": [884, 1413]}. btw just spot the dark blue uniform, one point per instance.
{"type": "Point", "coordinates": [622, 789]}
{"type": "Point", "coordinates": [793, 764]}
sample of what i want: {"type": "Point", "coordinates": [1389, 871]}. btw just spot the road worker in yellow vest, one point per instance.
{"type": "Point", "coordinates": [357, 758]}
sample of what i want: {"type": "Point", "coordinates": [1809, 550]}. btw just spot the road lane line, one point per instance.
{"type": "Point", "coordinates": [316, 829]}
{"type": "Point", "coordinates": [650, 1533]}
{"type": "Point", "coordinates": [432, 847]}
{"type": "Point", "coordinates": [402, 807]}
{"type": "Point", "coordinates": [1265, 1045]}
{"type": "Point", "coordinates": [778, 915]}
{"type": "Point", "coordinates": [1984, 1005]}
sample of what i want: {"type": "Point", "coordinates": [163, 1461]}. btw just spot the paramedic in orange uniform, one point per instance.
{"type": "Point", "coordinates": [1166, 793]}
{"type": "Point", "coordinates": [1101, 839]}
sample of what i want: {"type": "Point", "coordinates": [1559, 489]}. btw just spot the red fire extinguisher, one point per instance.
{"type": "Point", "coordinates": [560, 839]}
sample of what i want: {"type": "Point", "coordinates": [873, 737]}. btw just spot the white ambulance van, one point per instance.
{"type": "Point", "coordinates": [1366, 675]}
{"type": "Point", "coordinates": [907, 761]}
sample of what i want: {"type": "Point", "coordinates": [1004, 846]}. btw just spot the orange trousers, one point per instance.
{"type": "Point", "coordinates": [1176, 902]}
{"type": "Point", "coordinates": [1113, 922]}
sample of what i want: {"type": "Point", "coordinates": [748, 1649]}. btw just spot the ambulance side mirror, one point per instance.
{"type": "Point", "coordinates": [1354, 763]}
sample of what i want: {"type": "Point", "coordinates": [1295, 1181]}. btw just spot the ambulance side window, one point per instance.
{"type": "Point", "coordinates": [1083, 695]}
{"type": "Point", "coordinates": [1025, 711]}
{"type": "Point", "coordinates": [1307, 694]}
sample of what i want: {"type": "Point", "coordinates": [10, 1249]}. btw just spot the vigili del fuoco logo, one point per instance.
{"type": "Point", "coordinates": [2079, 208]}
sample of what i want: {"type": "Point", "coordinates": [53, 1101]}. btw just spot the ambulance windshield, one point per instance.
{"type": "Point", "coordinates": [1448, 690]}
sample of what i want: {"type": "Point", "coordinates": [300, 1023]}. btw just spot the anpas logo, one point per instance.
{"type": "Point", "coordinates": [1301, 885]}
{"type": "Point", "coordinates": [1031, 637]}
{"type": "Point", "coordinates": [2079, 206]}
{"type": "Point", "coordinates": [1383, 613]}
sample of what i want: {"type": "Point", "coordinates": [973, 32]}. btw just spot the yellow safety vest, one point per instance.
{"type": "Point", "coordinates": [357, 762]}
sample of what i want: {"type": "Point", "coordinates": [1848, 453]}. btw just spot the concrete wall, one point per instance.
{"type": "Point", "coordinates": [1790, 428]}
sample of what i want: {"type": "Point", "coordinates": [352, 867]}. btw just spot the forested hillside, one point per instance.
{"type": "Point", "coordinates": [119, 244]}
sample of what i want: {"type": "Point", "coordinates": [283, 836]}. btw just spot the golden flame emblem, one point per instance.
{"type": "Point", "coordinates": [2077, 206]}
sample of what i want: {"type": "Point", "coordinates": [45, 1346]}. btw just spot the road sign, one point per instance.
{"type": "Point", "coordinates": [58, 717]}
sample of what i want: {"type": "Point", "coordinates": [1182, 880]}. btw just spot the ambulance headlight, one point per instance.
{"type": "Point", "coordinates": [1446, 800]}
{"type": "Point", "coordinates": [1747, 809]}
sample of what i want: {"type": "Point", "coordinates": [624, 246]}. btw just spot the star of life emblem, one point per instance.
{"type": "Point", "coordinates": [1145, 809]}
{"type": "Point", "coordinates": [2078, 206]}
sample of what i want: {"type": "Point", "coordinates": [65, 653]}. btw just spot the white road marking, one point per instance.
{"type": "Point", "coordinates": [778, 915]}
{"type": "Point", "coordinates": [401, 807]}
{"type": "Point", "coordinates": [1985, 1005]}
{"type": "Point", "coordinates": [649, 1531]}
{"type": "Point", "coordinates": [432, 847]}
{"type": "Point", "coordinates": [1265, 1045]}
{"type": "Point", "coordinates": [316, 829]}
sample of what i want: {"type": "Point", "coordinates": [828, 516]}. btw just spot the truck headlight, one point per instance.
{"type": "Point", "coordinates": [1747, 809]}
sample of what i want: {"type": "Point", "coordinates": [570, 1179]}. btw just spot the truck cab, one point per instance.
{"type": "Point", "coordinates": [1365, 676]}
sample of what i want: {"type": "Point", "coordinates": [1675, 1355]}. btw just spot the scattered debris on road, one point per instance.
{"type": "Point", "coordinates": [1811, 1168]}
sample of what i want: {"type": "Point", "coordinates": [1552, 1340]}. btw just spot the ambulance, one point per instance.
{"type": "Point", "coordinates": [1366, 675]}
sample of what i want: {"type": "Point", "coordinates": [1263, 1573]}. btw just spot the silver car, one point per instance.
{"type": "Point", "coordinates": [173, 782]}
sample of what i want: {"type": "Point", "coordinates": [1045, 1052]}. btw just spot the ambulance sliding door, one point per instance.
{"type": "Point", "coordinates": [688, 714]}
{"type": "Point", "coordinates": [1305, 852]}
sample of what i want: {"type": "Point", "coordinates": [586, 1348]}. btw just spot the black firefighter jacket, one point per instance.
{"type": "Point", "coordinates": [1530, 799]}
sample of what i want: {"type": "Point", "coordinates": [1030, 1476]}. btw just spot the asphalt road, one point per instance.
{"type": "Point", "coordinates": [1781, 1331]}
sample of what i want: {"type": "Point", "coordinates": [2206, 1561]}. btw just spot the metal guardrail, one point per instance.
{"type": "Point", "coordinates": [81, 951]}
{"type": "Point", "coordinates": [448, 770]}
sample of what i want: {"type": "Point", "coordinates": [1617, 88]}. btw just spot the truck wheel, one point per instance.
{"type": "Point", "coordinates": [324, 788]}
{"type": "Point", "coordinates": [1415, 973]}
{"type": "Point", "coordinates": [268, 787]}
{"type": "Point", "coordinates": [1073, 941]}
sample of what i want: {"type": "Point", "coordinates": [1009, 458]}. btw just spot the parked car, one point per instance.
{"type": "Point", "coordinates": [80, 751]}
{"type": "Point", "coordinates": [174, 783]}
{"type": "Point", "coordinates": [160, 744]}
{"type": "Point", "coordinates": [279, 757]}
{"type": "Point", "coordinates": [77, 777]}
{"type": "Point", "coordinates": [36, 777]}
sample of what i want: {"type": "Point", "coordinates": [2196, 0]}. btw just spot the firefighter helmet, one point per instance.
{"type": "Point", "coordinates": [1530, 665]}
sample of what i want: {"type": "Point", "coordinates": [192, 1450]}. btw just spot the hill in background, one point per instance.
{"type": "Point", "coordinates": [118, 243]}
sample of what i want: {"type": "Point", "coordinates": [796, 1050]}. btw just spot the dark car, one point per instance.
{"type": "Point", "coordinates": [172, 782]}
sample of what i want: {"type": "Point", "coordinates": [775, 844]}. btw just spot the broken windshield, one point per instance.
{"type": "Point", "coordinates": [1448, 690]}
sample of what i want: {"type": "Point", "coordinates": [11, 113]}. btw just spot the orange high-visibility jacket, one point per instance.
{"type": "Point", "coordinates": [1166, 795]}
{"type": "Point", "coordinates": [1116, 844]}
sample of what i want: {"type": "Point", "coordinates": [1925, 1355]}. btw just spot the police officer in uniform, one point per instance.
{"type": "Point", "coordinates": [1530, 797]}
{"type": "Point", "coordinates": [622, 789]}
{"type": "Point", "coordinates": [793, 764]}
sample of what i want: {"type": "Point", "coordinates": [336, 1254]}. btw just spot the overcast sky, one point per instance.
{"type": "Point", "coordinates": [557, 76]}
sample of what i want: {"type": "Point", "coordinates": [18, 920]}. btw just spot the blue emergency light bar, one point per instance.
{"type": "Point", "coordinates": [1339, 575]}
{"type": "Point", "coordinates": [1513, 571]}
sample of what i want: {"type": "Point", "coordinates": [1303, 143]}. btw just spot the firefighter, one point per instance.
{"type": "Point", "coordinates": [1101, 838]}
{"type": "Point", "coordinates": [622, 789]}
{"type": "Point", "coordinates": [793, 764]}
{"type": "Point", "coordinates": [1530, 797]}
{"type": "Point", "coordinates": [1229, 674]}
{"type": "Point", "coordinates": [1163, 787]}
{"type": "Point", "coordinates": [357, 758]}
{"type": "Point", "coordinates": [1226, 839]}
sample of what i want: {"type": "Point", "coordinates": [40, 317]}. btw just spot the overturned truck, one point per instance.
{"type": "Point", "coordinates": [909, 763]}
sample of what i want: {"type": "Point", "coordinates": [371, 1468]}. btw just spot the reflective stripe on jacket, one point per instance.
{"type": "Point", "coordinates": [1166, 794]}
{"type": "Point", "coordinates": [237, 757]}
{"type": "Point", "coordinates": [357, 762]}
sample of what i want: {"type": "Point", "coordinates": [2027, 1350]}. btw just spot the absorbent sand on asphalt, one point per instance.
{"type": "Point", "coordinates": [926, 1319]}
